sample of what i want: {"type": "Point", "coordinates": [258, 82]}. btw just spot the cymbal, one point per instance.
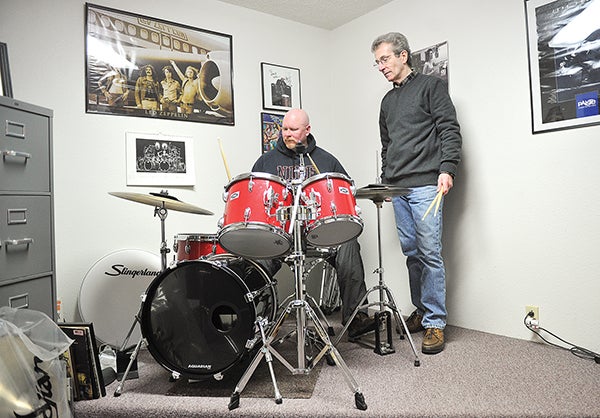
{"type": "Point", "coordinates": [380, 192]}
{"type": "Point", "coordinates": [162, 200]}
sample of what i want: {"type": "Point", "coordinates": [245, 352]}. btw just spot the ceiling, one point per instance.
{"type": "Point", "coordinates": [326, 14]}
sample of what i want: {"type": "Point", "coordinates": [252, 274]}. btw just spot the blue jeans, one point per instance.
{"type": "Point", "coordinates": [421, 243]}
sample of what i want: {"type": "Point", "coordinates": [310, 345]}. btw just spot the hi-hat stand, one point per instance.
{"type": "Point", "coordinates": [303, 312]}
{"type": "Point", "coordinates": [378, 193]}
{"type": "Point", "coordinates": [161, 202]}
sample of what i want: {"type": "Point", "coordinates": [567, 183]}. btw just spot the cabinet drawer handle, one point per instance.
{"type": "Point", "coordinates": [11, 153]}
{"type": "Point", "coordinates": [22, 241]}
{"type": "Point", "coordinates": [13, 301]}
{"type": "Point", "coordinates": [13, 132]}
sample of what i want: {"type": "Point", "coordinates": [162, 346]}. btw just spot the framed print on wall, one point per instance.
{"type": "Point", "coordinates": [271, 124]}
{"type": "Point", "coordinates": [564, 63]}
{"type": "Point", "coordinates": [5, 82]}
{"type": "Point", "coordinates": [432, 60]}
{"type": "Point", "coordinates": [143, 66]}
{"type": "Point", "coordinates": [280, 87]}
{"type": "Point", "coordinates": [159, 160]}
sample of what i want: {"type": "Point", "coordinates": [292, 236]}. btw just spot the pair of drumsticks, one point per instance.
{"type": "Point", "coordinates": [436, 201]}
{"type": "Point", "coordinates": [227, 166]}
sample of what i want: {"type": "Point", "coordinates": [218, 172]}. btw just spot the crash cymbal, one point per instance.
{"type": "Point", "coordinates": [162, 200]}
{"type": "Point", "coordinates": [380, 192]}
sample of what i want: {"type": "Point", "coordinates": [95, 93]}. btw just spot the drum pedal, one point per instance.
{"type": "Point", "coordinates": [383, 321]}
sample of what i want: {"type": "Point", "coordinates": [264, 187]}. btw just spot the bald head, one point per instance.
{"type": "Point", "coordinates": [296, 127]}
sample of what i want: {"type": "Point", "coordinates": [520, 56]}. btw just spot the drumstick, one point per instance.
{"type": "Point", "coordinates": [437, 206]}
{"type": "Point", "coordinates": [437, 199]}
{"type": "Point", "coordinates": [313, 163]}
{"type": "Point", "coordinates": [224, 160]}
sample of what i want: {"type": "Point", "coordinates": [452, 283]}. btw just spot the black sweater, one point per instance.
{"type": "Point", "coordinates": [283, 162]}
{"type": "Point", "coordinates": [420, 135]}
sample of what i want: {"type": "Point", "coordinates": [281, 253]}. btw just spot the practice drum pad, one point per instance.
{"type": "Point", "coordinates": [110, 294]}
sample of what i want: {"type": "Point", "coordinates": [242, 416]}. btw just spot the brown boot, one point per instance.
{"type": "Point", "coordinates": [433, 341]}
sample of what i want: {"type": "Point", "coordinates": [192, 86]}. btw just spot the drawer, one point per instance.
{"type": "Point", "coordinates": [33, 294]}
{"type": "Point", "coordinates": [25, 151]}
{"type": "Point", "coordinates": [25, 236]}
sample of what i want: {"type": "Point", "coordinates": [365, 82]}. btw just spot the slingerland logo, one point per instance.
{"type": "Point", "coordinates": [122, 270]}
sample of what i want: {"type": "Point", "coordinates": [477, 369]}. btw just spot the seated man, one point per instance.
{"type": "Point", "coordinates": [282, 161]}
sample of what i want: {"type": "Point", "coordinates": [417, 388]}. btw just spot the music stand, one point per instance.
{"type": "Point", "coordinates": [378, 193]}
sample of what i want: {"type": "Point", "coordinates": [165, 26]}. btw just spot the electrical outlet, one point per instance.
{"type": "Point", "coordinates": [536, 313]}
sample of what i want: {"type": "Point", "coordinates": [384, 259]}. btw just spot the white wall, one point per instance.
{"type": "Point", "coordinates": [521, 223]}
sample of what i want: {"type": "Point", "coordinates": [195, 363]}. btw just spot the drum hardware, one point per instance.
{"type": "Point", "coordinates": [303, 312]}
{"type": "Point", "coordinates": [378, 193]}
{"type": "Point", "coordinates": [162, 202]}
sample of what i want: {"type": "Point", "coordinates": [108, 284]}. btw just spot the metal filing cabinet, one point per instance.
{"type": "Point", "coordinates": [27, 266]}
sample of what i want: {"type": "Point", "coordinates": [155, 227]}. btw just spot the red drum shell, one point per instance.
{"type": "Point", "coordinates": [332, 197]}
{"type": "Point", "coordinates": [194, 246]}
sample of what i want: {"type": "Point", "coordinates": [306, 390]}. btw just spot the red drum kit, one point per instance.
{"type": "Point", "coordinates": [216, 303]}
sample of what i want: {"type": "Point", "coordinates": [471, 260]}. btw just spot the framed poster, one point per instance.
{"type": "Point", "coordinates": [564, 63]}
{"type": "Point", "coordinates": [159, 160]}
{"type": "Point", "coordinates": [5, 82]}
{"type": "Point", "coordinates": [432, 60]}
{"type": "Point", "coordinates": [143, 66]}
{"type": "Point", "coordinates": [280, 87]}
{"type": "Point", "coordinates": [271, 124]}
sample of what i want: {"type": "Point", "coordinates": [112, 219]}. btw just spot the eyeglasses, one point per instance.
{"type": "Point", "coordinates": [383, 60]}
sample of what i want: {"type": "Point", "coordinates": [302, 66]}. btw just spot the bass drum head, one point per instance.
{"type": "Point", "coordinates": [197, 317]}
{"type": "Point", "coordinates": [110, 294]}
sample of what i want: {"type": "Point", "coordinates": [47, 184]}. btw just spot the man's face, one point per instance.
{"type": "Point", "coordinates": [393, 68]}
{"type": "Point", "coordinates": [294, 131]}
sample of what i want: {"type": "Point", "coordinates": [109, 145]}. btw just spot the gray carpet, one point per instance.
{"type": "Point", "coordinates": [478, 375]}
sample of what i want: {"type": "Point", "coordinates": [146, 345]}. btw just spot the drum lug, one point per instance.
{"type": "Point", "coordinates": [175, 375]}
{"type": "Point", "coordinates": [220, 223]}
{"type": "Point", "coordinates": [329, 184]}
{"type": "Point", "coordinates": [188, 248]}
{"type": "Point", "coordinates": [334, 210]}
{"type": "Point", "coordinates": [218, 376]}
{"type": "Point", "coordinates": [358, 210]}
{"type": "Point", "coordinates": [247, 213]}
{"type": "Point", "coordinates": [225, 196]}
{"type": "Point", "coordinates": [250, 185]}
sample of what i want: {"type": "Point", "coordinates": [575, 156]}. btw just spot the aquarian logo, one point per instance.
{"type": "Point", "coordinates": [587, 104]}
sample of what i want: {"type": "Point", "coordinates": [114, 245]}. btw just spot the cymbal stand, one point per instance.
{"type": "Point", "coordinates": [161, 212]}
{"type": "Point", "coordinates": [303, 311]}
{"type": "Point", "coordinates": [382, 347]}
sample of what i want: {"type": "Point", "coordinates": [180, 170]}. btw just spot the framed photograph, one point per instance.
{"type": "Point", "coordinates": [432, 60]}
{"type": "Point", "coordinates": [159, 160]}
{"type": "Point", "coordinates": [271, 124]}
{"type": "Point", "coordinates": [280, 87]}
{"type": "Point", "coordinates": [564, 63]}
{"type": "Point", "coordinates": [5, 83]}
{"type": "Point", "coordinates": [144, 66]}
{"type": "Point", "coordinates": [84, 361]}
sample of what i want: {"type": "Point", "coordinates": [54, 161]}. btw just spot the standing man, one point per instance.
{"type": "Point", "coordinates": [421, 144]}
{"type": "Point", "coordinates": [283, 161]}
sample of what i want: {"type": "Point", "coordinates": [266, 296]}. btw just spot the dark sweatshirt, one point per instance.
{"type": "Point", "coordinates": [420, 135]}
{"type": "Point", "coordinates": [282, 161]}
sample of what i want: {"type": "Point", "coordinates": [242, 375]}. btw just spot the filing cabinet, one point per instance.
{"type": "Point", "coordinates": [27, 259]}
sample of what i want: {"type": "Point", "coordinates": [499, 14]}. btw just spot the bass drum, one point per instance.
{"type": "Point", "coordinates": [199, 315]}
{"type": "Point", "coordinates": [111, 291]}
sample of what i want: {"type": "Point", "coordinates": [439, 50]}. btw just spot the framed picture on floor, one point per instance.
{"type": "Point", "coordinates": [280, 87]}
{"type": "Point", "coordinates": [143, 66]}
{"type": "Point", "coordinates": [564, 63]}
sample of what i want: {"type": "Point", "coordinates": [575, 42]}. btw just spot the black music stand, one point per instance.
{"type": "Point", "coordinates": [378, 193]}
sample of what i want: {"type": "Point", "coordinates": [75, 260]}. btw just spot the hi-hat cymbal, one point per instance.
{"type": "Point", "coordinates": [162, 200]}
{"type": "Point", "coordinates": [380, 192]}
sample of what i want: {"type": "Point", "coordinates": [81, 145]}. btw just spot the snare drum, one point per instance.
{"type": "Point", "coordinates": [331, 196]}
{"type": "Point", "coordinates": [194, 246]}
{"type": "Point", "coordinates": [250, 226]}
